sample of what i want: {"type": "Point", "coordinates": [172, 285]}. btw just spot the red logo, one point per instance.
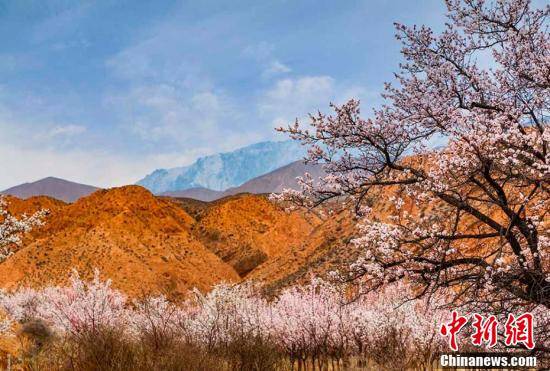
{"type": "Point", "coordinates": [517, 330]}
{"type": "Point", "coordinates": [485, 330]}
{"type": "Point", "coordinates": [453, 328]}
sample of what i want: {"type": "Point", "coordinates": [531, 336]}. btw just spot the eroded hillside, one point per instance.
{"type": "Point", "coordinates": [144, 244]}
{"type": "Point", "coordinates": [149, 244]}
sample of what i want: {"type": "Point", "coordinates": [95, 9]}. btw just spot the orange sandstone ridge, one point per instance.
{"type": "Point", "coordinates": [147, 244]}
{"type": "Point", "coordinates": [142, 243]}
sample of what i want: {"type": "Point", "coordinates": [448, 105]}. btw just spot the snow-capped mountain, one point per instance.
{"type": "Point", "coordinates": [225, 170]}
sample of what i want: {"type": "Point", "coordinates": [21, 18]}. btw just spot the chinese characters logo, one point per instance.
{"type": "Point", "coordinates": [517, 330]}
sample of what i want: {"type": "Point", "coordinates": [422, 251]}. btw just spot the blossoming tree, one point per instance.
{"type": "Point", "coordinates": [11, 228]}
{"type": "Point", "coordinates": [481, 85]}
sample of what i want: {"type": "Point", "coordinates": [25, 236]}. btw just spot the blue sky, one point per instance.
{"type": "Point", "coordinates": [105, 91]}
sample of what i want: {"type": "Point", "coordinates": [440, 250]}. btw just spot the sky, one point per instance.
{"type": "Point", "coordinates": [103, 92]}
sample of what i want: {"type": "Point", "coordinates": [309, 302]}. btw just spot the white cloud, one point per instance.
{"type": "Point", "coordinates": [264, 54]}
{"type": "Point", "coordinates": [307, 89]}
{"type": "Point", "coordinates": [275, 68]}
{"type": "Point", "coordinates": [163, 112]}
{"type": "Point", "coordinates": [260, 51]}
{"type": "Point", "coordinates": [67, 130]}
{"type": "Point", "coordinates": [148, 60]}
{"type": "Point", "coordinates": [289, 99]}
{"type": "Point", "coordinates": [168, 96]}
{"type": "Point", "coordinates": [133, 62]}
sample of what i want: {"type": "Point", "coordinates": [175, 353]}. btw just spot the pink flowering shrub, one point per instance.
{"type": "Point", "coordinates": [155, 321]}
{"type": "Point", "coordinates": [311, 321]}
{"type": "Point", "coordinates": [72, 309]}
{"type": "Point", "coordinates": [316, 322]}
{"type": "Point", "coordinates": [226, 313]}
{"type": "Point", "coordinates": [11, 228]}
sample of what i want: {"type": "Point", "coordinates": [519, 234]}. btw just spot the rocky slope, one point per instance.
{"type": "Point", "coordinates": [142, 243]}
{"type": "Point", "coordinates": [248, 230]}
{"type": "Point", "coordinates": [164, 245]}
{"type": "Point", "coordinates": [277, 180]}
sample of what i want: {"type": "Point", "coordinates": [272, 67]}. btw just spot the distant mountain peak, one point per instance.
{"type": "Point", "coordinates": [54, 187]}
{"type": "Point", "coordinates": [272, 182]}
{"type": "Point", "coordinates": [221, 171]}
